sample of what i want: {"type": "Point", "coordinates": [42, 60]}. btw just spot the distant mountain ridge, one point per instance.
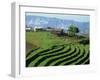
{"type": "Point", "coordinates": [56, 23]}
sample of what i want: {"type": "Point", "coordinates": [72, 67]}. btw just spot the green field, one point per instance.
{"type": "Point", "coordinates": [46, 49]}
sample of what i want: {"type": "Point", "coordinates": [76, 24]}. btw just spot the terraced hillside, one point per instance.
{"type": "Point", "coordinates": [66, 54]}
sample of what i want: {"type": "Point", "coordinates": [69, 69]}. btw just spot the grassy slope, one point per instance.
{"type": "Point", "coordinates": [45, 40]}
{"type": "Point", "coordinates": [42, 39]}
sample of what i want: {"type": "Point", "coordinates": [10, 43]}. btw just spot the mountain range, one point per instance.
{"type": "Point", "coordinates": [56, 23]}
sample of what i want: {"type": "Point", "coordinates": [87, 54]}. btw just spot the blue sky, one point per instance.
{"type": "Point", "coordinates": [79, 18]}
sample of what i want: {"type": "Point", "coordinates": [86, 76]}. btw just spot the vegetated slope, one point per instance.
{"type": "Point", "coordinates": [58, 55]}
{"type": "Point", "coordinates": [42, 39]}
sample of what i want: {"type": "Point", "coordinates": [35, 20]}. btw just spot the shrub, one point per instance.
{"type": "Point", "coordinates": [84, 41]}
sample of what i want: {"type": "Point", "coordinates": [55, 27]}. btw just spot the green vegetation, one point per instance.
{"type": "Point", "coordinates": [43, 39]}
{"type": "Point", "coordinates": [69, 54]}
{"type": "Point", "coordinates": [72, 30]}
{"type": "Point", "coordinates": [44, 48]}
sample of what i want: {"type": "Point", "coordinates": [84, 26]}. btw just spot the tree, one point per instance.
{"type": "Point", "coordinates": [72, 30]}
{"type": "Point", "coordinates": [84, 41]}
{"type": "Point", "coordinates": [62, 32]}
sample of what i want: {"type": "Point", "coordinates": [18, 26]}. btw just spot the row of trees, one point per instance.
{"type": "Point", "coordinates": [72, 30]}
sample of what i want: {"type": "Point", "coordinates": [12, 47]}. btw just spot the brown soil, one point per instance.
{"type": "Point", "coordinates": [29, 47]}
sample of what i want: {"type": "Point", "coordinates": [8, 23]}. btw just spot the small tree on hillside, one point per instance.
{"type": "Point", "coordinates": [62, 32]}
{"type": "Point", "coordinates": [72, 30]}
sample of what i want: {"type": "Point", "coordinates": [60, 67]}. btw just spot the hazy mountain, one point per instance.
{"type": "Point", "coordinates": [56, 23]}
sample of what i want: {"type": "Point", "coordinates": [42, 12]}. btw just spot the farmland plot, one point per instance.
{"type": "Point", "coordinates": [51, 50]}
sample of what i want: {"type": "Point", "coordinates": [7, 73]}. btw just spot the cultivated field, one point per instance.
{"type": "Point", "coordinates": [46, 49]}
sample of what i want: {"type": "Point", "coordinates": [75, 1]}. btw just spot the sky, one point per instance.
{"type": "Point", "coordinates": [79, 18]}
